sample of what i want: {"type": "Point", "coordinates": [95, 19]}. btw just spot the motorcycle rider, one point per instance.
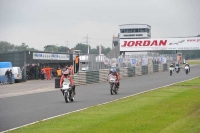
{"type": "Point", "coordinates": [177, 65]}
{"type": "Point", "coordinates": [66, 75]}
{"type": "Point", "coordinates": [186, 64]}
{"type": "Point", "coordinates": [172, 65]}
{"type": "Point", "coordinates": [114, 73]}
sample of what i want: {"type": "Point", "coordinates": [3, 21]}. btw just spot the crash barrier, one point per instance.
{"type": "Point", "coordinates": [89, 77]}
{"type": "Point", "coordinates": [6, 80]}
{"type": "Point", "coordinates": [164, 67]}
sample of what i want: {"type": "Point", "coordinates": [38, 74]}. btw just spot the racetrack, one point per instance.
{"type": "Point", "coordinates": [20, 110]}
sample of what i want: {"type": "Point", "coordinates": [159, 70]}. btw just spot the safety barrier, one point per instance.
{"type": "Point", "coordinates": [5, 80]}
{"type": "Point", "coordinates": [89, 77]}
{"type": "Point", "coordinates": [165, 67]}
{"type": "Point", "coordinates": [150, 69]}
{"type": "Point", "coordinates": [144, 70]}
{"type": "Point", "coordinates": [155, 68]}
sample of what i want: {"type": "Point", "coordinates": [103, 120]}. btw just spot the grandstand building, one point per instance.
{"type": "Point", "coordinates": [129, 31]}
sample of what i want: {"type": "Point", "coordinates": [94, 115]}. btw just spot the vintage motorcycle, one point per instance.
{"type": "Point", "coordinates": [171, 69]}
{"type": "Point", "coordinates": [113, 85]}
{"type": "Point", "coordinates": [67, 89]}
{"type": "Point", "coordinates": [177, 69]}
{"type": "Point", "coordinates": [186, 69]}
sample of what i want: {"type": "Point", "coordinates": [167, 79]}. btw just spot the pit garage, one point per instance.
{"type": "Point", "coordinates": [31, 62]}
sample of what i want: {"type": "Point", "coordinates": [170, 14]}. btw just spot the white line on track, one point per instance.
{"type": "Point", "coordinates": [93, 106]}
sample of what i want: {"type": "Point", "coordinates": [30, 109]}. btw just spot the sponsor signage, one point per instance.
{"type": "Point", "coordinates": [132, 61]}
{"type": "Point", "coordinates": [134, 35]}
{"type": "Point", "coordinates": [50, 56]}
{"type": "Point", "coordinates": [160, 44]}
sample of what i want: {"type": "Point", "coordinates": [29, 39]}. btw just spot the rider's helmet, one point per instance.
{"type": "Point", "coordinates": [66, 73]}
{"type": "Point", "coordinates": [114, 71]}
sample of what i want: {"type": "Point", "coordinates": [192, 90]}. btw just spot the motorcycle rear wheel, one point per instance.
{"type": "Point", "coordinates": [111, 89]}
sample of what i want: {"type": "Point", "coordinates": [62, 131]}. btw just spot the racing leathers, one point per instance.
{"type": "Point", "coordinates": [71, 83]}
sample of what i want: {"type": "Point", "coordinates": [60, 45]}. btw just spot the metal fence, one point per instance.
{"type": "Point", "coordinates": [93, 62]}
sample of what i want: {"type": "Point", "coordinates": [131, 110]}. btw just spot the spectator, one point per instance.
{"type": "Point", "coordinates": [59, 72]}
{"type": "Point", "coordinates": [7, 74]}
{"type": "Point", "coordinates": [77, 63]}
{"type": "Point", "coordinates": [10, 76]}
{"type": "Point", "coordinates": [48, 74]}
{"type": "Point", "coordinates": [65, 69]}
{"type": "Point", "coordinates": [42, 73]}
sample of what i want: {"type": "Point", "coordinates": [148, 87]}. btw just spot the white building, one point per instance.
{"type": "Point", "coordinates": [135, 31]}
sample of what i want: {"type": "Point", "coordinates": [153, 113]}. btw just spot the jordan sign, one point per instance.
{"type": "Point", "coordinates": [160, 44]}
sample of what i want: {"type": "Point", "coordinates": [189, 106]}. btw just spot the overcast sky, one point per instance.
{"type": "Point", "coordinates": [42, 22]}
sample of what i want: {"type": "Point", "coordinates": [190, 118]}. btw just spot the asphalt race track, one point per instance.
{"type": "Point", "coordinates": [16, 111]}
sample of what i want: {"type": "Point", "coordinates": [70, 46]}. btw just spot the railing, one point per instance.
{"type": "Point", "coordinates": [89, 77]}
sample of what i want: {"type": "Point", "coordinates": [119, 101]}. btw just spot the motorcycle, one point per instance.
{"type": "Point", "coordinates": [113, 85]}
{"type": "Point", "coordinates": [177, 69]}
{"type": "Point", "coordinates": [68, 93]}
{"type": "Point", "coordinates": [171, 69]}
{"type": "Point", "coordinates": [186, 69]}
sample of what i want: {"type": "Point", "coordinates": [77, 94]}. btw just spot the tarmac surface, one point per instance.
{"type": "Point", "coordinates": [32, 101]}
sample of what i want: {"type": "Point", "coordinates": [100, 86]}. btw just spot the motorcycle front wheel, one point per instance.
{"type": "Point", "coordinates": [111, 89]}
{"type": "Point", "coordinates": [115, 88]}
{"type": "Point", "coordinates": [66, 97]}
{"type": "Point", "coordinates": [170, 72]}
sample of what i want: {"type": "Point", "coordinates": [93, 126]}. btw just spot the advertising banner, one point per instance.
{"type": "Point", "coordinates": [145, 61]}
{"type": "Point", "coordinates": [160, 44]}
{"type": "Point", "coordinates": [133, 61]}
{"type": "Point", "coordinates": [50, 56]}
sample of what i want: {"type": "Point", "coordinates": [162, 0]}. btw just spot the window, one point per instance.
{"type": "Point", "coordinates": [140, 30]}
{"type": "Point", "coordinates": [136, 30]}
{"type": "Point", "coordinates": [144, 30]}
{"type": "Point", "coordinates": [129, 31]}
{"type": "Point", "coordinates": [122, 30]}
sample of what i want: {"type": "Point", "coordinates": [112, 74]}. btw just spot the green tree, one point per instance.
{"type": "Point", "coordinates": [6, 46]}
{"type": "Point", "coordinates": [84, 49]}
{"type": "Point", "coordinates": [51, 48]}
{"type": "Point", "coordinates": [64, 49]}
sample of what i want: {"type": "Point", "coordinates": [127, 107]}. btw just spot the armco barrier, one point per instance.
{"type": "Point", "coordinates": [80, 79]}
{"type": "Point", "coordinates": [103, 75]}
{"type": "Point", "coordinates": [131, 71]}
{"type": "Point", "coordinates": [160, 67]}
{"type": "Point", "coordinates": [165, 67]}
{"type": "Point", "coordinates": [89, 77]}
{"type": "Point", "coordinates": [138, 71]}
{"type": "Point", "coordinates": [155, 68]}
{"type": "Point", "coordinates": [150, 69]}
{"type": "Point", "coordinates": [92, 77]}
{"type": "Point", "coordinates": [144, 70]}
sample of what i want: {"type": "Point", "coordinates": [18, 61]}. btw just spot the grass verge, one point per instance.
{"type": "Point", "coordinates": [173, 109]}
{"type": "Point", "coordinates": [193, 62]}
